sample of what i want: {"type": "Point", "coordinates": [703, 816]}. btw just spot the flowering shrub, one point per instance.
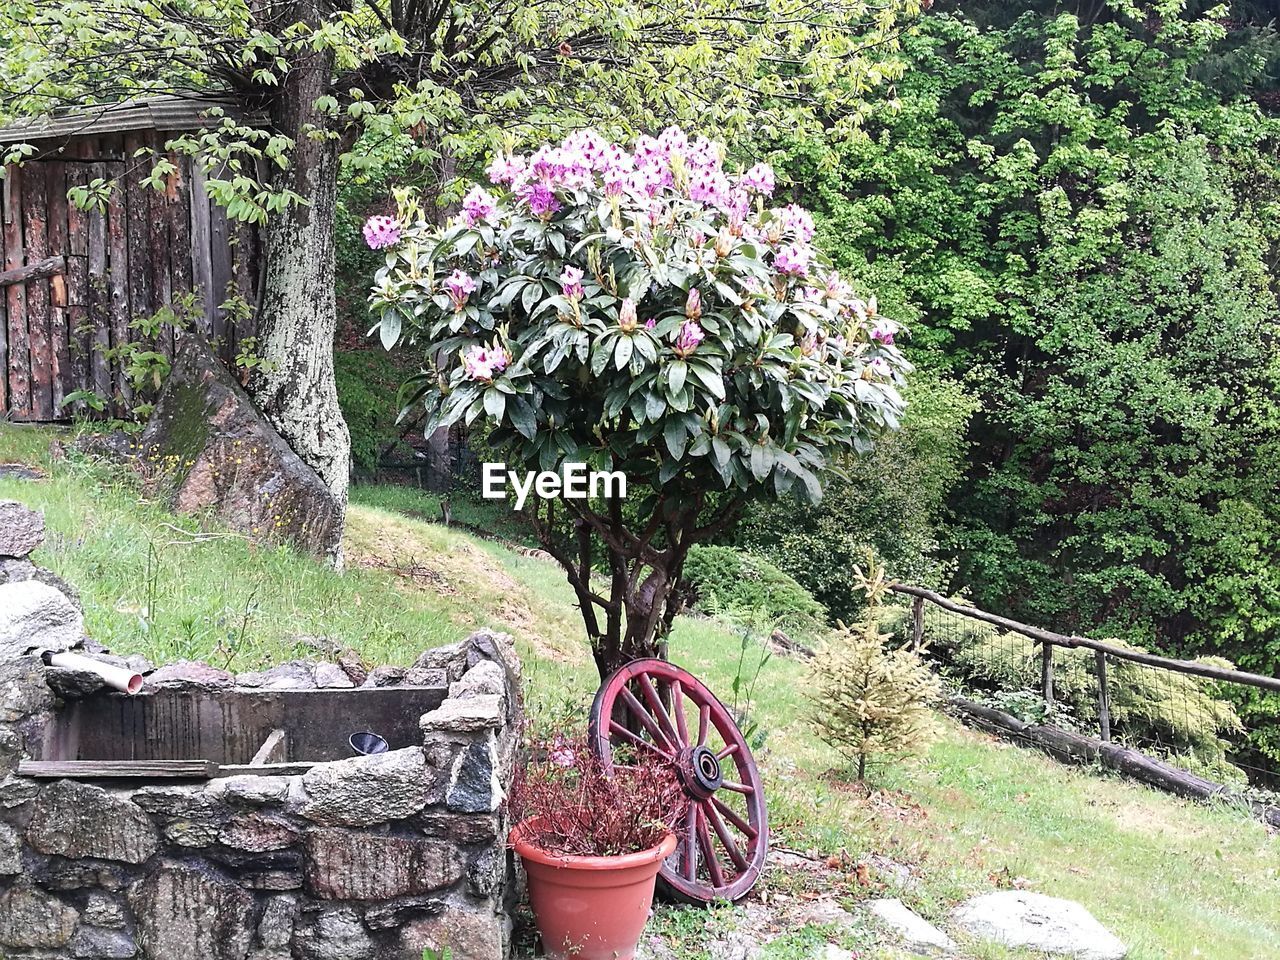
{"type": "Point", "coordinates": [643, 310]}
{"type": "Point", "coordinates": [571, 805]}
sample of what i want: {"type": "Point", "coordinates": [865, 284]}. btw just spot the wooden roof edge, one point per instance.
{"type": "Point", "coordinates": [162, 112]}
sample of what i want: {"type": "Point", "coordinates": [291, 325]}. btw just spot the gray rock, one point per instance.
{"type": "Point", "coordinates": [473, 782]}
{"type": "Point", "coordinates": [74, 820]}
{"type": "Point", "coordinates": [258, 833]}
{"type": "Point", "coordinates": [186, 911]}
{"type": "Point", "coordinates": [452, 659]}
{"type": "Point", "coordinates": [426, 677]}
{"type": "Point", "coordinates": [17, 791]}
{"type": "Point", "coordinates": [915, 933]}
{"type": "Point", "coordinates": [485, 872]}
{"type": "Point", "coordinates": [829, 951]}
{"type": "Point", "coordinates": [294, 675]}
{"type": "Point", "coordinates": [21, 529]}
{"type": "Point", "coordinates": [255, 790]}
{"type": "Point", "coordinates": [210, 450]}
{"type": "Point", "coordinates": [23, 692]}
{"type": "Point", "coordinates": [100, 944]}
{"type": "Point", "coordinates": [30, 918]}
{"type": "Point", "coordinates": [73, 684]}
{"type": "Point", "coordinates": [190, 674]}
{"type": "Point", "coordinates": [275, 929]}
{"type": "Point", "coordinates": [386, 676]}
{"type": "Point", "coordinates": [334, 935]}
{"type": "Point", "coordinates": [343, 865]}
{"type": "Point", "coordinates": [486, 644]}
{"type": "Point", "coordinates": [486, 678]}
{"type": "Point", "coordinates": [465, 716]}
{"type": "Point", "coordinates": [35, 616]}
{"type": "Point", "coordinates": [459, 829]}
{"type": "Point", "coordinates": [55, 873]}
{"type": "Point", "coordinates": [332, 676]}
{"type": "Point", "coordinates": [116, 446]}
{"type": "Point", "coordinates": [1016, 918]}
{"type": "Point", "coordinates": [102, 910]}
{"type": "Point", "coordinates": [388, 916]}
{"type": "Point", "coordinates": [16, 569]}
{"type": "Point", "coordinates": [469, 930]}
{"type": "Point", "coordinates": [364, 791]}
{"type": "Point", "coordinates": [10, 851]}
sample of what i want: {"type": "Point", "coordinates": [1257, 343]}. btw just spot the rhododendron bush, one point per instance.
{"type": "Point", "coordinates": [650, 310]}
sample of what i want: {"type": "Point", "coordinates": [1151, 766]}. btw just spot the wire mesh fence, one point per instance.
{"type": "Point", "coordinates": [1184, 713]}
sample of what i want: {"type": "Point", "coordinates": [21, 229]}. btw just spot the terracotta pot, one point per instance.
{"type": "Point", "coordinates": [591, 908]}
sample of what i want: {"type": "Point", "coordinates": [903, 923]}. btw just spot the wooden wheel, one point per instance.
{"type": "Point", "coordinates": [654, 706]}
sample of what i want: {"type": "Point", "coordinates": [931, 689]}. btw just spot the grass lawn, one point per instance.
{"type": "Point", "coordinates": [1172, 879]}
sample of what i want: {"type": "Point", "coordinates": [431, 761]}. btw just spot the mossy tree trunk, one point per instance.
{"type": "Point", "coordinates": [295, 388]}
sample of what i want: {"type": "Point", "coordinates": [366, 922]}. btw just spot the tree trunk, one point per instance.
{"type": "Point", "coordinates": [298, 314]}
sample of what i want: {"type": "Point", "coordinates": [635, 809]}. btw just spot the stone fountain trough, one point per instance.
{"type": "Point", "coordinates": [226, 818]}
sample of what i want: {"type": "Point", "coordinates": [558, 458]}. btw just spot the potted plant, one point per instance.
{"type": "Point", "coordinates": [592, 840]}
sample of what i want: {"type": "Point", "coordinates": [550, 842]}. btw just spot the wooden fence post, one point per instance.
{"type": "Point", "coordinates": [917, 622]}
{"type": "Point", "coordinates": [1046, 672]}
{"type": "Point", "coordinates": [1104, 698]}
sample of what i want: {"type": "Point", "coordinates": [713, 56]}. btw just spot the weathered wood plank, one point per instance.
{"type": "Point", "coordinates": [245, 254]}
{"type": "Point", "coordinates": [274, 749]}
{"type": "Point", "coordinates": [118, 769]}
{"type": "Point", "coordinates": [138, 212]}
{"type": "Point", "coordinates": [35, 236]}
{"type": "Point", "coordinates": [19, 369]}
{"type": "Point", "coordinates": [118, 268]}
{"type": "Point", "coordinates": [98, 341]}
{"type": "Point", "coordinates": [201, 255]}
{"type": "Point", "coordinates": [79, 333]}
{"type": "Point", "coordinates": [4, 303]}
{"type": "Point", "coordinates": [59, 336]}
{"type": "Point", "coordinates": [158, 256]}
{"type": "Point", "coordinates": [180, 236]}
{"type": "Point", "coordinates": [41, 270]}
{"type": "Point", "coordinates": [222, 273]}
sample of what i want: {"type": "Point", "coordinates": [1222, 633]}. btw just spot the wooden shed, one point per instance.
{"type": "Point", "coordinates": [72, 281]}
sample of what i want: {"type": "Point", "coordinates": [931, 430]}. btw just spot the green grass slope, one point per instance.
{"type": "Point", "coordinates": [1173, 879]}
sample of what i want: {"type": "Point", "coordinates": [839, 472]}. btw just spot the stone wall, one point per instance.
{"type": "Point", "coordinates": [367, 858]}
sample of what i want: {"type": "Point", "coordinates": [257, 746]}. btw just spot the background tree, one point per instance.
{"type": "Point", "coordinates": [314, 79]}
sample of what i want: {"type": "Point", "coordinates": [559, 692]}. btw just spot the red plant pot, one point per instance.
{"type": "Point", "coordinates": [591, 908]}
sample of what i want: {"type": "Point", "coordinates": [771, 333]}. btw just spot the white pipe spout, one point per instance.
{"type": "Point", "coordinates": [118, 678]}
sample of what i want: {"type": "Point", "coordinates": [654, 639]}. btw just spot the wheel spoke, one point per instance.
{"type": "Point", "coordinates": [704, 724]}
{"type": "Point", "coordinates": [620, 730]}
{"type": "Point", "coordinates": [659, 711]}
{"type": "Point", "coordinates": [690, 846]}
{"type": "Point", "coordinates": [728, 751]}
{"type": "Point", "coordinates": [677, 707]}
{"type": "Point", "coordinates": [708, 851]}
{"type": "Point", "coordinates": [726, 840]}
{"type": "Point", "coordinates": [738, 787]}
{"type": "Point", "coordinates": [638, 711]}
{"type": "Point", "coordinates": [731, 815]}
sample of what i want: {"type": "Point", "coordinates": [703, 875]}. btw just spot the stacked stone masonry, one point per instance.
{"type": "Point", "coordinates": [366, 858]}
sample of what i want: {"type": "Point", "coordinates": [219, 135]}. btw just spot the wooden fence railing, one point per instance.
{"type": "Point", "coordinates": [1070, 745]}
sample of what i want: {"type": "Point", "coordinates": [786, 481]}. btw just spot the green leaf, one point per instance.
{"type": "Point", "coordinates": [389, 328]}
{"type": "Point", "coordinates": [676, 374]}
{"type": "Point", "coordinates": [622, 353]}
{"type": "Point", "coordinates": [495, 403]}
{"type": "Point", "coordinates": [674, 433]}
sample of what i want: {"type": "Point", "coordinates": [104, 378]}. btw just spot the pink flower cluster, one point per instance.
{"type": "Point", "coordinates": [381, 232]}
{"type": "Point", "coordinates": [484, 363]}
{"type": "Point", "coordinates": [459, 285]}
{"type": "Point", "coordinates": [478, 205]}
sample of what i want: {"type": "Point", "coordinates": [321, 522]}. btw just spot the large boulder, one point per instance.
{"type": "Point", "coordinates": [35, 616]}
{"type": "Point", "coordinates": [209, 449]}
{"type": "Point", "coordinates": [1016, 918]}
{"type": "Point", "coordinates": [21, 529]}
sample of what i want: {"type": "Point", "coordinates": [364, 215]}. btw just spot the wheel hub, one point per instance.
{"type": "Point", "coordinates": [700, 771]}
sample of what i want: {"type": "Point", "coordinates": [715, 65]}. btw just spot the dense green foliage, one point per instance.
{"type": "Point", "coordinates": [723, 580]}
{"type": "Point", "coordinates": [1073, 218]}
{"type": "Point", "coordinates": [367, 382]}
{"type": "Point", "coordinates": [889, 502]}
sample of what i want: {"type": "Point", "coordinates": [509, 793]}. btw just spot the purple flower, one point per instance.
{"type": "Point", "coordinates": [650, 323]}
{"type": "Point", "coordinates": [542, 200]}
{"type": "Point", "coordinates": [627, 315]}
{"type": "Point", "coordinates": [484, 363]}
{"type": "Point", "coordinates": [690, 336]}
{"type": "Point", "coordinates": [459, 286]}
{"type": "Point", "coordinates": [478, 205]}
{"type": "Point", "coordinates": [381, 232]}
{"type": "Point", "coordinates": [505, 169]}
{"type": "Point", "coordinates": [759, 179]}
{"type": "Point", "coordinates": [837, 289]}
{"type": "Point", "coordinates": [798, 220]}
{"type": "Point", "coordinates": [693, 305]}
{"type": "Point", "coordinates": [884, 331]}
{"type": "Point", "coordinates": [571, 283]}
{"type": "Point", "coordinates": [879, 367]}
{"type": "Point", "coordinates": [793, 260]}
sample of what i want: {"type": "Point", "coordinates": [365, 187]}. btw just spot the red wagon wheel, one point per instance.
{"type": "Point", "coordinates": [653, 705]}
